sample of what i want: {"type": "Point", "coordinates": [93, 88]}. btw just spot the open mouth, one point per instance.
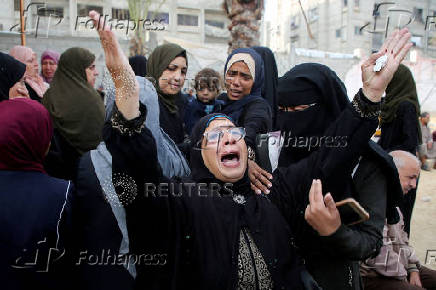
{"type": "Point", "coordinates": [236, 93]}
{"type": "Point", "coordinates": [174, 86]}
{"type": "Point", "coordinates": [230, 159]}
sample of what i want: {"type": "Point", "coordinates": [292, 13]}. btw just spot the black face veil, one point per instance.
{"type": "Point", "coordinates": [319, 87]}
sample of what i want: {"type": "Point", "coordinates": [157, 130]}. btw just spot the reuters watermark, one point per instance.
{"type": "Point", "coordinates": [121, 190]}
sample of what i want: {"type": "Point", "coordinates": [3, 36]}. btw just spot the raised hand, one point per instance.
{"type": "Point", "coordinates": [395, 48]}
{"type": "Point", "coordinates": [321, 213]}
{"type": "Point", "coordinates": [126, 85]}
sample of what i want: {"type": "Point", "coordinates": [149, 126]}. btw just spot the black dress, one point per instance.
{"type": "Point", "coordinates": [204, 232]}
{"type": "Point", "coordinates": [402, 134]}
{"type": "Point", "coordinates": [62, 158]}
{"type": "Point", "coordinates": [256, 118]}
{"type": "Point", "coordinates": [375, 185]}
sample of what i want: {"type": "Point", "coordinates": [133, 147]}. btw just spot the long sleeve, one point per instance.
{"type": "Point", "coordinates": [135, 173]}
{"type": "Point", "coordinates": [257, 119]}
{"type": "Point", "coordinates": [171, 160]}
{"type": "Point", "coordinates": [365, 239]}
{"type": "Point", "coordinates": [408, 139]}
{"type": "Point", "coordinates": [403, 132]}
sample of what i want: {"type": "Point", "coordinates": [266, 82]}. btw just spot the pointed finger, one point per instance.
{"type": "Point", "coordinates": [312, 193]}
{"type": "Point", "coordinates": [318, 192]}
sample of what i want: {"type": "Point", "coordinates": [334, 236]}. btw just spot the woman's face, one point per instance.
{"type": "Point", "coordinates": [18, 90]}
{"type": "Point", "coordinates": [49, 67]}
{"type": "Point", "coordinates": [173, 77]}
{"type": "Point", "coordinates": [35, 64]}
{"type": "Point", "coordinates": [238, 81]}
{"type": "Point", "coordinates": [227, 158]}
{"type": "Point", "coordinates": [32, 66]}
{"type": "Point", "coordinates": [91, 74]}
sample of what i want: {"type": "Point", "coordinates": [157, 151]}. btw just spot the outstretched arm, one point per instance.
{"type": "Point", "coordinates": [126, 85]}
{"type": "Point", "coordinates": [355, 126]}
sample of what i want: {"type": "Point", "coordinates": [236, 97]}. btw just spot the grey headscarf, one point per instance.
{"type": "Point", "coordinates": [170, 158]}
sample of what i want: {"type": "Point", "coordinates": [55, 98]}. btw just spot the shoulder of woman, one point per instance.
{"type": "Point", "coordinates": [406, 106]}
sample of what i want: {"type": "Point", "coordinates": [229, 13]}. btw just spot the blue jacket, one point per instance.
{"type": "Point", "coordinates": [31, 207]}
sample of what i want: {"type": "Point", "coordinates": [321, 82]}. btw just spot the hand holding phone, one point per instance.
{"type": "Point", "coordinates": [321, 213]}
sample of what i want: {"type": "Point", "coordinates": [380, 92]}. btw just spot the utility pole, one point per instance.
{"type": "Point", "coordinates": [22, 24]}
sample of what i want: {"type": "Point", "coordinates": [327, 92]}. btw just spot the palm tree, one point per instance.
{"type": "Point", "coordinates": [138, 9]}
{"type": "Point", "coordinates": [245, 16]}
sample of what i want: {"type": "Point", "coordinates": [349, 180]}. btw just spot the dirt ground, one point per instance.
{"type": "Point", "coordinates": [423, 227]}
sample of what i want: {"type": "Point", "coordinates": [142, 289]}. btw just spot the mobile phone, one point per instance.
{"type": "Point", "coordinates": [351, 212]}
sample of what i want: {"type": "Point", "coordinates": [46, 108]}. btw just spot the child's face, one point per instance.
{"type": "Point", "coordinates": [206, 94]}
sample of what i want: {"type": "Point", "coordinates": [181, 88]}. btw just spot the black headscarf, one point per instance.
{"type": "Point", "coordinates": [306, 84]}
{"type": "Point", "coordinates": [139, 65]}
{"type": "Point", "coordinates": [11, 71]}
{"type": "Point", "coordinates": [402, 88]}
{"type": "Point", "coordinates": [199, 172]}
{"type": "Point", "coordinates": [315, 83]}
{"type": "Point", "coordinates": [157, 62]}
{"type": "Point", "coordinates": [75, 106]}
{"type": "Point", "coordinates": [269, 90]}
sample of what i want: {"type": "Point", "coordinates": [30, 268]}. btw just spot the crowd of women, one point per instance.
{"type": "Point", "coordinates": [142, 187]}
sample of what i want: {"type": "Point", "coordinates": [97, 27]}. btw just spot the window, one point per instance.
{"type": "Point", "coordinates": [120, 14]}
{"type": "Point", "coordinates": [83, 10]}
{"type": "Point", "coordinates": [418, 12]}
{"type": "Point", "coordinates": [160, 17]}
{"type": "Point", "coordinates": [295, 22]}
{"type": "Point", "coordinates": [313, 14]}
{"type": "Point", "coordinates": [345, 3]}
{"type": "Point", "coordinates": [338, 33]}
{"type": "Point", "coordinates": [357, 30]}
{"type": "Point", "coordinates": [17, 5]}
{"type": "Point", "coordinates": [295, 38]}
{"type": "Point", "coordinates": [187, 20]}
{"type": "Point", "coordinates": [45, 10]}
{"type": "Point", "coordinates": [417, 40]}
{"type": "Point", "coordinates": [356, 3]}
{"type": "Point", "coordinates": [215, 23]}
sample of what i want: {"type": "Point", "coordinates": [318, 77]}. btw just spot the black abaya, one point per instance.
{"type": "Point", "coordinates": [200, 229]}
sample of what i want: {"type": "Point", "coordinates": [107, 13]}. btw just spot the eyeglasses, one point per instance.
{"type": "Point", "coordinates": [214, 136]}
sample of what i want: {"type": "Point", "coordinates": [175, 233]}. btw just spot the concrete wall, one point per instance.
{"type": "Point", "coordinates": [60, 44]}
